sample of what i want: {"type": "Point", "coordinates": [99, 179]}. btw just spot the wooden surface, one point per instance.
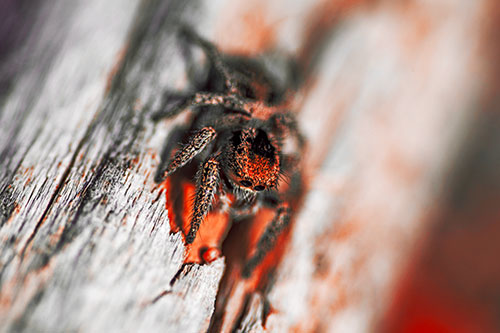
{"type": "Point", "coordinates": [85, 239]}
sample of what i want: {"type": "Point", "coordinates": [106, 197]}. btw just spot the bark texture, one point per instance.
{"type": "Point", "coordinates": [85, 245]}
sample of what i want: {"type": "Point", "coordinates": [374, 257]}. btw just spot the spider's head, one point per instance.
{"type": "Point", "coordinates": [253, 160]}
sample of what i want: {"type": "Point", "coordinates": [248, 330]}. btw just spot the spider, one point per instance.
{"type": "Point", "coordinates": [244, 141]}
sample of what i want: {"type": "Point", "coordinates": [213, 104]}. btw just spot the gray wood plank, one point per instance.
{"type": "Point", "coordinates": [85, 239]}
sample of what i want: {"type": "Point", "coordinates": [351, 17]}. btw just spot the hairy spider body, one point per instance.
{"type": "Point", "coordinates": [242, 141]}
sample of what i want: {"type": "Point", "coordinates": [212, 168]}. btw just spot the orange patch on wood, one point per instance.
{"type": "Point", "coordinates": [210, 235]}
{"type": "Point", "coordinates": [444, 288]}
{"type": "Point", "coordinates": [251, 31]}
{"type": "Point", "coordinates": [211, 254]}
{"type": "Point", "coordinates": [262, 219]}
{"type": "Point", "coordinates": [115, 68]}
{"type": "Point", "coordinates": [211, 232]}
{"type": "Point", "coordinates": [55, 237]}
{"type": "Point", "coordinates": [403, 168]}
{"type": "Point", "coordinates": [345, 230]}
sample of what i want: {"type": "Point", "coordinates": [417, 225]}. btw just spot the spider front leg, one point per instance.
{"type": "Point", "coordinates": [206, 188]}
{"type": "Point", "coordinates": [231, 102]}
{"type": "Point", "coordinates": [196, 144]}
{"type": "Point", "coordinates": [214, 56]}
{"type": "Point", "coordinates": [285, 123]}
{"type": "Point", "coordinates": [170, 144]}
{"type": "Point", "coordinates": [268, 239]}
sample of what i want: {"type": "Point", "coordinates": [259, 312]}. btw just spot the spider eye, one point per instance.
{"type": "Point", "coordinates": [259, 188]}
{"type": "Point", "coordinates": [246, 183]}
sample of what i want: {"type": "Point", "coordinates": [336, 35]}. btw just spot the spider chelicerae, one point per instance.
{"type": "Point", "coordinates": [244, 141]}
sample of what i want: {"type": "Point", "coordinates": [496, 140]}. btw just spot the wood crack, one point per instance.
{"type": "Point", "coordinates": [59, 186]}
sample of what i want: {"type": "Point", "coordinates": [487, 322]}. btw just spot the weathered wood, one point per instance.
{"type": "Point", "coordinates": [384, 120]}
{"type": "Point", "coordinates": [86, 245]}
{"type": "Point", "coordinates": [85, 239]}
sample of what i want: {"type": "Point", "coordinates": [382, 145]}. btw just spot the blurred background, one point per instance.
{"type": "Point", "coordinates": [400, 102]}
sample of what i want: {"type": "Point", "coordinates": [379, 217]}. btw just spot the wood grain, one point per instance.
{"type": "Point", "coordinates": [85, 239]}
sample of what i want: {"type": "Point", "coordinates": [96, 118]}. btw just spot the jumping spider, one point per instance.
{"type": "Point", "coordinates": [244, 140]}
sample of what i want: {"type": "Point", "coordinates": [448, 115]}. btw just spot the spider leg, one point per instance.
{"type": "Point", "coordinates": [228, 122]}
{"type": "Point", "coordinates": [172, 104]}
{"type": "Point", "coordinates": [285, 123]}
{"type": "Point", "coordinates": [196, 144]}
{"type": "Point", "coordinates": [174, 136]}
{"type": "Point", "coordinates": [214, 56]}
{"type": "Point", "coordinates": [206, 188]}
{"type": "Point", "coordinates": [231, 102]}
{"type": "Point", "coordinates": [268, 239]}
